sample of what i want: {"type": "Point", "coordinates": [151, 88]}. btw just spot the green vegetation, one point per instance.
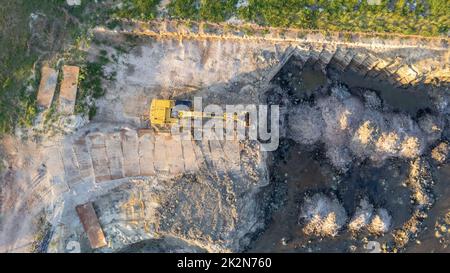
{"type": "Point", "coordinates": [139, 9]}
{"type": "Point", "coordinates": [17, 103]}
{"type": "Point", "coordinates": [19, 56]}
{"type": "Point", "coordinates": [21, 48]}
{"type": "Point", "coordinates": [51, 115]}
{"type": "Point", "coordinates": [350, 16]}
{"type": "Point", "coordinates": [207, 10]}
{"type": "Point", "coordinates": [428, 18]}
{"type": "Point", "coordinates": [90, 86]}
{"type": "Point", "coordinates": [184, 9]}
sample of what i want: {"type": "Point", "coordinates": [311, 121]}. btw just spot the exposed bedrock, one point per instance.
{"type": "Point", "coordinates": [379, 149]}
{"type": "Point", "coordinates": [352, 131]}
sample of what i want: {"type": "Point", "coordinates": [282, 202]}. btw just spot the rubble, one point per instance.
{"type": "Point", "coordinates": [381, 222]}
{"type": "Point", "coordinates": [432, 127]}
{"type": "Point", "coordinates": [442, 229]}
{"type": "Point", "coordinates": [352, 132]}
{"type": "Point", "coordinates": [419, 181]}
{"type": "Point", "coordinates": [73, 2]}
{"type": "Point", "coordinates": [362, 216]}
{"type": "Point", "coordinates": [440, 152]}
{"type": "Point", "coordinates": [306, 125]}
{"type": "Point", "coordinates": [321, 215]}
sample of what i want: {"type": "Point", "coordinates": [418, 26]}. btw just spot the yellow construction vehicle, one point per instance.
{"type": "Point", "coordinates": [164, 114]}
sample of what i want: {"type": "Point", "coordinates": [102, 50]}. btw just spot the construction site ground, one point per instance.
{"type": "Point", "coordinates": [360, 120]}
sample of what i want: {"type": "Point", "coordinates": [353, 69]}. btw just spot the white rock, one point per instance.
{"type": "Point", "coordinates": [362, 216]}
{"type": "Point", "coordinates": [380, 223]}
{"type": "Point", "coordinates": [322, 215]}
{"type": "Point", "coordinates": [73, 2]}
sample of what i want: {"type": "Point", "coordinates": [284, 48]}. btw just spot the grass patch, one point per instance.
{"type": "Point", "coordinates": [206, 10]}
{"type": "Point", "coordinates": [187, 9]}
{"type": "Point", "coordinates": [17, 102]}
{"type": "Point", "coordinates": [18, 56]}
{"type": "Point", "coordinates": [138, 9]}
{"type": "Point", "coordinates": [427, 17]}
{"type": "Point", "coordinates": [51, 115]}
{"type": "Point", "coordinates": [90, 85]}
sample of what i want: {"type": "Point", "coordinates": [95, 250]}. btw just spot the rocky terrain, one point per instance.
{"type": "Point", "coordinates": [362, 157]}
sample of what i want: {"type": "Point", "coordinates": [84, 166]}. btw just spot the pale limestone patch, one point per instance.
{"type": "Point", "coordinates": [365, 133]}
{"type": "Point", "coordinates": [440, 152]}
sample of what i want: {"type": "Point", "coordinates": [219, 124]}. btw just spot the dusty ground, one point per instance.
{"type": "Point", "coordinates": [353, 128]}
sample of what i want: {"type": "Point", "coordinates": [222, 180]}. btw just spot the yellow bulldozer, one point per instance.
{"type": "Point", "coordinates": [164, 114]}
